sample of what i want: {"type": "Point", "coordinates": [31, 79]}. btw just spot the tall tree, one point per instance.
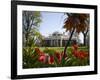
{"type": "Point", "coordinates": [31, 22]}
{"type": "Point", "coordinates": [74, 22]}
{"type": "Point", "coordinates": [85, 32]}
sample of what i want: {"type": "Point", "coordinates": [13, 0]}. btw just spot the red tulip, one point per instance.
{"type": "Point", "coordinates": [51, 60]}
{"type": "Point", "coordinates": [75, 53]}
{"type": "Point", "coordinates": [79, 54]}
{"type": "Point", "coordinates": [75, 46]}
{"type": "Point", "coordinates": [42, 58]}
{"type": "Point", "coordinates": [38, 51]}
{"type": "Point", "coordinates": [59, 57]}
{"type": "Point", "coordinates": [83, 54]}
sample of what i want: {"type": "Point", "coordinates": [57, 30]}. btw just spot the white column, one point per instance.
{"type": "Point", "coordinates": [57, 42]}
{"type": "Point", "coordinates": [51, 42]}
{"type": "Point", "coordinates": [61, 42]}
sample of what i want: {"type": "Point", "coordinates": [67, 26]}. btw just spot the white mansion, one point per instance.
{"type": "Point", "coordinates": [59, 40]}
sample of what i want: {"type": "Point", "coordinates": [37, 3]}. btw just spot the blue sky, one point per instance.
{"type": "Point", "coordinates": [51, 22]}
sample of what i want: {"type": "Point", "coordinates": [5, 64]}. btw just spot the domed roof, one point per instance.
{"type": "Point", "coordinates": [56, 33]}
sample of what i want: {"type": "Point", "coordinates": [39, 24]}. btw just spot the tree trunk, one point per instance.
{"type": "Point", "coordinates": [68, 41]}
{"type": "Point", "coordinates": [84, 39]}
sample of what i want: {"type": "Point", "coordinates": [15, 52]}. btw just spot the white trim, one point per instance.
{"type": "Point", "coordinates": [22, 71]}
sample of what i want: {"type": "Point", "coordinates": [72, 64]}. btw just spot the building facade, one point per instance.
{"type": "Point", "coordinates": [58, 40]}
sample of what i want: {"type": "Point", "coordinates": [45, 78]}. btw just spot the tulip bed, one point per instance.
{"type": "Point", "coordinates": [54, 57]}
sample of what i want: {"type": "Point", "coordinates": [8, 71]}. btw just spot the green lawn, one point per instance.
{"type": "Point", "coordinates": [55, 48]}
{"type": "Point", "coordinates": [60, 49]}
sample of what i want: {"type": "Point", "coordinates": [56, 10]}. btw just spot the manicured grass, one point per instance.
{"type": "Point", "coordinates": [54, 48]}
{"type": "Point", "coordinates": [60, 49]}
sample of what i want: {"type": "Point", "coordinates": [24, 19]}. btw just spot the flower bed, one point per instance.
{"type": "Point", "coordinates": [51, 57]}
